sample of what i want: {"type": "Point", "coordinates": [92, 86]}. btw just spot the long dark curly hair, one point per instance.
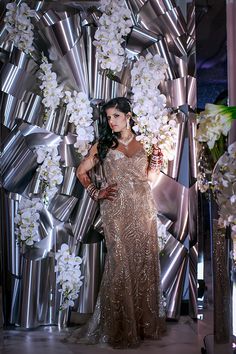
{"type": "Point", "coordinates": [107, 139]}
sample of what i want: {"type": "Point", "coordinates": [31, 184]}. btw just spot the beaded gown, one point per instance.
{"type": "Point", "coordinates": [129, 306]}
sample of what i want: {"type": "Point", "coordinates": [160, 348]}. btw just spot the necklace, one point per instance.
{"type": "Point", "coordinates": [126, 142]}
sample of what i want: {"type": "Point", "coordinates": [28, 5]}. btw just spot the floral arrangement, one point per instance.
{"type": "Point", "coordinates": [49, 171]}
{"type": "Point", "coordinates": [152, 121]}
{"type": "Point", "coordinates": [50, 174]}
{"type": "Point", "coordinates": [77, 104]}
{"type": "Point", "coordinates": [224, 183]}
{"type": "Point", "coordinates": [114, 25]}
{"type": "Point", "coordinates": [69, 275]}
{"type": "Point", "coordinates": [80, 114]}
{"type": "Point", "coordinates": [19, 26]}
{"type": "Point", "coordinates": [26, 221]}
{"type": "Point", "coordinates": [52, 92]}
{"type": "Point", "coordinates": [214, 124]}
{"type": "Point", "coordinates": [205, 165]}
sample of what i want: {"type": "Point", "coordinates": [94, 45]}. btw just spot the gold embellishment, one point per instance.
{"type": "Point", "coordinates": [129, 305]}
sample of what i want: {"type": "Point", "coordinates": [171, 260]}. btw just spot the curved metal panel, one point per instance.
{"type": "Point", "coordinates": [11, 76]}
{"type": "Point", "coordinates": [192, 128]}
{"type": "Point", "coordinates": [67, 151]}
{"type": "Point", "coordinates": [174, 295]}
{"type": "Point", "coordinates": [193, 214]}
{"type": "Point", "coordinates": [175, 209]}
{"type": "Point", "coordinates": [62, 206]}
{"type": "Point", "coordinates": [171, 259]}
{"type": "Point", "coordinates": [38, 293]}
{"type": "Point", "coordinates": [83, 217]}
{"type": "Point", "coordinates": [92, 269]}
{"type": "Point", "coordinates": [10, 110]}
{"type": "Point", "coordinates": [21, 170]}
{"type": "Point", "coordinates": [62, 34]}
{"type": "Point", "coordinates": [139, 39]}
{"type": "Point", "coordinates": [22, 61]}
{"type": "Point", "coordinates": [174, 165]}
{"type": "Point", "coordinates": [193, 260]}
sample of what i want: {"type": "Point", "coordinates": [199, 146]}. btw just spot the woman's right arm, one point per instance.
{"type": "Point", "coordinates": [82, 174]}
{"type": "Point", "coordinates": [86, 165]}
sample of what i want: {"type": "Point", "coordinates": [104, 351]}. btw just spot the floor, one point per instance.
{"type": "Point", "coordinates": [186, 336]}
{"type": "Point", "coordinates": [182, 338]}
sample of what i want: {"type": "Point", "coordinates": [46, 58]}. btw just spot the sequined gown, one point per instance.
{"type": "Point", "coordinates": [129, 306]}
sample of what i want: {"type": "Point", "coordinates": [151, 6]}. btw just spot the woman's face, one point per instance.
{"type": "Point", "coordinates": [117, 120]}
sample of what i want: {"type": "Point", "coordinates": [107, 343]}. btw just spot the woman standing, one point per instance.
{"type": "Point", "coordinates": [129, 306]}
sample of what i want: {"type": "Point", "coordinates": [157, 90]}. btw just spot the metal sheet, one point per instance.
{"type": "Point", "coordinates": [174, 165]}
{"type": "Point", "coordinates": [174, 295]}
{"type": "Point", "coordinates": [38, 293]}
{"type": "Point", "coordinates": [62, 34]}
{"type": "Point", "coordinates": [191, 90]}
{"type": "Point", "coordinates": [139, 39]}
{"type": "Point", "coordinates": [192, 128]}
{"type": "Point", "coordinates": [62, 206]}
{"type": "Point", "coordinates": [135, 5]}
{"type": "Point", "coordinates": [10, 110]}
{"type": "Point", "coordinates": [175, 91]}
{"type": "Point", "coordinates": [92, 269]}
{"type": "Point", "coordinates": [193, 213]}
{"type": "Point", "coordinates": [83, 217]}
{"type": "Point", "coordinates": [22, 60]}
{"type": "Point", "coordinates": [69, 157]}
{"type": "Point", "coordinates": [172, 201]}
{"type": "Point", "coordinates": [20, 171]}
{"type": "Point", "coordinates": [193, 259]}
{"type": "Point", "coordinates": [171, 259]}
{"type": "Point", "coordinates": [11, 75]}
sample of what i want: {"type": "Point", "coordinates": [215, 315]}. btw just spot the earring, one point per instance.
{"type": "Point", "coordinates": [127, 124]}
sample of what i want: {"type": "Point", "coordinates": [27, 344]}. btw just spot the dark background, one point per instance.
{"type": "Point", "coordinates": [211, 51]}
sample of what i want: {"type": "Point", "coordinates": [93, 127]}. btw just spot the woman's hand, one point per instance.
{"type": "Point", "coordinates": [110, 192]}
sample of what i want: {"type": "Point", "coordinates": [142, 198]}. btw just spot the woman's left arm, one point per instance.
{"type": "Point", "coordinates": [155, 164]}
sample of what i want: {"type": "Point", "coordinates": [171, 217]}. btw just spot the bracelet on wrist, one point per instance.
{"type": "Point", "coordinates": [156, 160]}
{"type": "Point", "coordinates": [93, 191]}
{"type": "Point", "coordinates": [154, 167]}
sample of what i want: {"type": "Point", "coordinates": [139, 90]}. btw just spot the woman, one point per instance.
{"type": "Point", "coordinates": [129, 306]}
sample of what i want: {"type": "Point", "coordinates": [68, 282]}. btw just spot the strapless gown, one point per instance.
{"type": "Point", "coordinates": [129, 306]}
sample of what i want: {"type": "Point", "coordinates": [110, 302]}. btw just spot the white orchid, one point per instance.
{"type": "Point", "coordinates": [49, 171]}
{"type": "Point", "coordinates": [77, 105]}
{"type": "Point", "coordinates": [19, 26]}
{"type": "Point", "coordinates": [80, 114]}
{"type": "Point", "coordinates": [152, 120]}
{"type": "Point", "coordinates": [224, 186]}
{"type": "Point", "coordinates": [114, 25]}
{"type": "Point", "coordinates": [26, 221]}
{"type": "Point", "coordinates": [213, 122]}
{"type": "Point", "coordinates": [69, 275]}
{"type": "Point", "coordinates": [52, 92]}
{"type": "Point", "coordinates": [211, 127]}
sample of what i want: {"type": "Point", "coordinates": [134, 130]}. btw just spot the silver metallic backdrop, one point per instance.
{"type": "Point", "coordinates": [159, 26]}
